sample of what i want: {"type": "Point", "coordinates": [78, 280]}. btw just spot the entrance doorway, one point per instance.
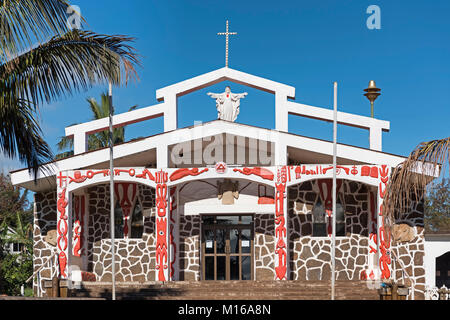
{"type": "Point", "coordinates": [227, 247]}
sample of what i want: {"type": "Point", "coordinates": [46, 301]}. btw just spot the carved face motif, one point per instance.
{"type": "Point", "coordinates": [161, 225]}
{"type": "Point", "coordinates": [227, 90]}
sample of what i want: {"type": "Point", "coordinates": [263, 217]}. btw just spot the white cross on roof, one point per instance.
{"type": "Point", "coordinates": [226, 34]}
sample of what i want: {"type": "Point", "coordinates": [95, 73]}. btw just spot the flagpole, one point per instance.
{"type": "Point", "coordinates": [111, 194]}
{"type": "Point", "coordinates": [333, 245]}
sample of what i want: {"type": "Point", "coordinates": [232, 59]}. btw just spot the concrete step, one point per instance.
{"type": "Point", "coordinates": [230, 290]}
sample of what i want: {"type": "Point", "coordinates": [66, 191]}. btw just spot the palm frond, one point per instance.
{"type": "Point", "coordinates": [21, 134]}
{"type": "Point", "coordinates": [23, 22]}
{"type": "Point", "coordinates": [95, 108]}
{"type": "Point", "coordinates": [409, 179]}
{"type": "Point", "coordinates": [65, 143]}
{"type": "Point", "coordinates": [70, 63]}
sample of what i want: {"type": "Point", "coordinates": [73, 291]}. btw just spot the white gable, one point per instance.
{"type": "Point", "coordinates": [155, 149]}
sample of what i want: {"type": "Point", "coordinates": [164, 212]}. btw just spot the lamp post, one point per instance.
{"type": "Point", "coordinates": [372, 93]}
{"type": "Point", "coordinates": [111, 194]}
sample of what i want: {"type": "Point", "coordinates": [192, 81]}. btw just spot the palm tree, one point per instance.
{"type": "Point", "coordinates": [409, 179]}
{"type": "Point", "coordinates": [23, 234]}
{"type": "Point", "coordinates": [99, 139]}
{"type": "Point", "coordinates": [63, 62]}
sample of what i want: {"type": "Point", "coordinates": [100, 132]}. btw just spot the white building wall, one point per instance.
{"type": "Point", "coordinates": [433, 249]}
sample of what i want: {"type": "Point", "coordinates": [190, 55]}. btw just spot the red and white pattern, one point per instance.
{"type": "Point", "coordinates": [383, 234]}
{"type": "Point", "coordinates": [126, 194]}
{"type": "Point", "coordinates": [326, 190]}
{"type": "Point", "coordinates": [174, 230]}
{"type": "Point", "coordinates": [162, 232]}
{"type": "Point", "coordinates": [62, 229]}
{"type": "Point", "coordinates": [79, 210]}
{"type": "Point", "coordinates": [281, 254]}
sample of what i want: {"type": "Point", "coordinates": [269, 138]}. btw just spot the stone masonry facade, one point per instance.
{"type": "Point", "coordinates": [310, 257]}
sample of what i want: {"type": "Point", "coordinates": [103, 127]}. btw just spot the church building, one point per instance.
{"type": "Point", "coordinates": [222, 201]}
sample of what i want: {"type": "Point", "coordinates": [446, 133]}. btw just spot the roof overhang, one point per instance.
{"type": "Point", "coordinates": [142, 152]}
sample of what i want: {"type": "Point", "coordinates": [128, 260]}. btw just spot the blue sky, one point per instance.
{"type": "Point", "coordinates": [305, 44]}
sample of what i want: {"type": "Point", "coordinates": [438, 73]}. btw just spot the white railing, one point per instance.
{"type": "Point", "coordinates": [37, 274]}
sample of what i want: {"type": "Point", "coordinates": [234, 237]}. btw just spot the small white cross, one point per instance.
{"type": "Point", "coordinates": [226, 34]}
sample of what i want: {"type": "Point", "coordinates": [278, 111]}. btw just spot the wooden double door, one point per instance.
{"type": "Point", "coordinates": [227, 247]}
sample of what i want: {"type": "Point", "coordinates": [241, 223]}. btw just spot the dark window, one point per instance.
{"type": "Point", "coordinates": [340, 218]}
{"type": "Point", "coordinates": [219, 219]}
{"type": "Point", "coordinates": [137, 222]}
{"type": "Point", "coordinates": [443, 270]}
{"type": "Point", "coordinates": [118, 222]}
{"type": "Point", "coordinates": [17, 247]}
{"type": "Point", "coordinates": [321, 219]}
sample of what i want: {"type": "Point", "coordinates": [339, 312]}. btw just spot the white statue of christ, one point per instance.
{"type": "Point", "coordinates": [227, 104]}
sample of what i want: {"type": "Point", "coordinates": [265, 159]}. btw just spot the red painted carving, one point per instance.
{"type": "Point", "coordinates": [328, 200]}
{"type": "Point", "coordinates": [385, 259]}
{"type": "Point", "coordinates": [319, 170]}
{"type": "Point", "coordinates": [174, 247]}
{"type": "Point", "coordinates": [146, 173]}
{"type": "Point", "coordinates": [385, 241]}
{"type": "Point", "coordinates": [184, 172]}
{"type": "Point", "coordinates": [373, 223]}
{"type": "Point", "coordinates": [126, 195]}
{"type": "Point", "coordinates": [280, 224]}
{"type": "Point", "coordinates": [338, 171]}
{"type": "Point", "coordinates": [367, 171]}
{"type": "Point", "coordinates": [257, 171]}
{"type": "Point", "coordinates": [302, 170]}
{"type": "Point", "coordinates": [90, 173]}
{"type": "Point", "coordinates": [173, 204]}
{"type": "Point", "coordinates": [131, 172]}
{"type": "Point", "coordinates": [161, 199]}
{"type": "Point", "coordinates": [62, 232]}
{"type": "Point", "coordinates": [79, 178]}
{"type": "Point", "coordinates": [78, 202]}
{"type": "Point", "coordinates": [62, 179]}
{"type": "Point", "coordinates": [173, 207]}
{"type": "Point", "coordinates": [266, 200]}
{"type": "Point", "coordinates": [161, 224]}
{"type": "Point", "coordinates": [221, 167]}
{"type": "Point", "coordinates": [82, 217]}
{"type": "Point", "coordinates": [363, 275]}
{"type": "Point", "coordinates": [161, 247]}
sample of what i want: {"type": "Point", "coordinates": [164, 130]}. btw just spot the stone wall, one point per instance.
{"type": "Point", "coordinates": [44, 223]}
{"type": "Point", "coordinates": [264, 247]}
{"type": "Point", "coordinates": [311, 256]}
{"type": "Point", "coordinates": [411, 253]}
{"type": "Point", "coordinates": [135, 258]}
{"type": "Point", "coordinates": [189, 257]}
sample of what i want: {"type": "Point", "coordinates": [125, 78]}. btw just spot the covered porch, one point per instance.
{"type": "Point", "coordinates": [289, 208]}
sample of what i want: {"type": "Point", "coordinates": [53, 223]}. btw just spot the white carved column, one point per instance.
{"type": "Point", "coordinates": [63, 225]}
{"type": "Point", "coordinates": [162, 226]}
{"type": "Point", "coordinates": [281, 226]}
{"type": "Point", "coordinates": [174, 235]}
{"type": "Point", "coordinates": [371, 273]}
{"type": "Point", "coordinates": [384, 238]}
